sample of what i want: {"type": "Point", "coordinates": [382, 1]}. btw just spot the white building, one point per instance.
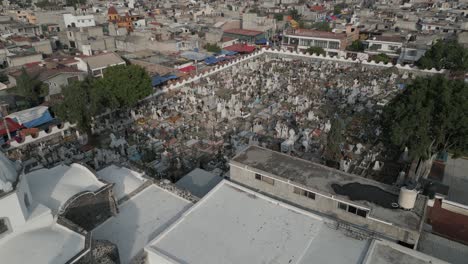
{"type": "Point", "coordinates": [30, 231]}
{"type": "Point", "coordinates": [79, 21]}
{"type": "Point", "coordinates": [390, 45]}
{"type": "Point", "coordinates": [96, 64]}
{"type": "Point", "coordinates": [233, 224]}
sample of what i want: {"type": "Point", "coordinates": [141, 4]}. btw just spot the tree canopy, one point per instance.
{"type": "Point", "coordinates": [316, 50]}
{"type": "Point", "coordinates": [30, 87]}
{"type": "Point", "coordinates": [124, 85]}
{"type": "Point", "coordinates": [447, 54]}
{"type": "Point", "coordinates": [430, 116]}
{"type": "Point", "coordinates": [356, 46]}
{"type": "Point", "coordinates": [212, 47]}
{"type": "Point", "coordinates": [381, 58]}
{"type": "Point", "coordinates": [121, 87]}
{"type": "Point", "coordinates": [322, 26]}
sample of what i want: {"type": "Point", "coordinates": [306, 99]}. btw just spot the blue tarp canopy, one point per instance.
{"type": "Point", "coordinates": [228, 53]}
{"type": "Point", "coordinates": [157, 79]}
{"type": "Point", "coordinates": [262, 41]}
{"type": "Point", "coordinates": [192, 55]}
{"type": "Point", "coordinates": [32, 117]}
{"type": "Point", "coordinates": [211, 60]}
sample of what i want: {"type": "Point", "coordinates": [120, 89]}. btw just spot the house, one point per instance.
{"type": "Point", "coordinates": [126, 21]}
{"type": "Point", "coordinates": [53, 74]}
{"type": "Point", "coordinates": [390, 45]}
{"type": "Point", "coordinates": [96, 64]}
{"type": "Point", "coordinates": [301, 39]}
{"type": "Point", "coordinates": [22, 58]}
{"type": "Point", "coordinates": [245, 35]}
{"type": "Point", "coordinates": [330, 192]}
{"type": "Point", "coordinates": [79, 21]}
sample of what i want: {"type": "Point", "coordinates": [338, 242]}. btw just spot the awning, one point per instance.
{"type": "Point", "coordinates": [228, 53]}
{"type": "Point", "coordinates": [262, 41]}
{"type": "Point", "coordinates": [211, 60]}
{"type": "Point", "coordinates": [241, 48]}
{"type": "Point", "coordinates": [32, 117]}
{"type": "Point", "coordinates": [188, 69]}
{"type": "Point", "coordinates": [12, 126]}
{"type": "Point", "coordinates": [157, 80]}
{"type": "Point", "coordinates": [192, 55]}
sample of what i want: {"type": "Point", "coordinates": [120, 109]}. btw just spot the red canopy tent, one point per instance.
{"type": "Point", "coordinates": [241, 48]}
{"type": "Point", "coordinates": [187, 69]}
{"type": "Point", "coordinates": [12, 126]}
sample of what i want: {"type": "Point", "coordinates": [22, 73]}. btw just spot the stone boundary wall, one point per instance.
{"type": "Point", "coordinates": [257, 53]}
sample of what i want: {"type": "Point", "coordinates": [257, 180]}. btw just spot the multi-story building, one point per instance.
{"type": "Point", "coordinates": [301, 39]}
{"type": "Point", "coordinates": [79, 21]}
{"type": "Point", "coordinates": [357, 201]}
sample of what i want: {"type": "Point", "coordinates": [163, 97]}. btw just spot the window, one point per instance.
{"type": "Point", "coordinates": [352, 209]}
{"type": "Point", "coordinates": [72, 79]}
{"type": "Point", "coordinates": [264, 179]}
{"type": "Point", "coordinates": [305, 193]}
{"type": "Point", "coordinates": [333, 45]}
{"type": "Point", "coordinates": [96, 72]}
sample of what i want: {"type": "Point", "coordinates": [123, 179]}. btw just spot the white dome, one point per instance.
{"type": "Point", "coordinates": [8, 173]}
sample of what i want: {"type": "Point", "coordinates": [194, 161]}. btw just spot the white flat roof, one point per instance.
{"type": "Point", "coordinates": [232, 224]}
{"type": "Point", "coordinates": [126, 180]}
{"type": "Point", "coordinates": [386, 252]}
{"type": "Point", "coordinates": [198, 182]}
{"type": "Point", "coordinates": [53, 187]}
{"type": "Point", "coordinates": [53, 244]}
{"type": "Point", "coordinates": [141, 219]}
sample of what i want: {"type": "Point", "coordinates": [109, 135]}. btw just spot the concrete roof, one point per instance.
{"type": "Point", "coordinates": [385, 252]}
{"type": "Point", "coordinates": [126, 181]}
{"type": "Point", "coordinates": [233, 224]}
{"type": "Point", "coordinates": [198, 182]}
{"type": "Point", "coordinates": [54, 187]}
{"type": "Point", "coordinates": [316, 34]}
{"type": "Point", "coordinates": [456, 177]}
{"type": "Point", "coordinates": [442, 248]}
{"type": "Point", "coordinates": [319, 178]}
{"type": "Point", "coordinates": [103, 60]}
{"type": "Point", "coordinates": [53, 244]}
{"type": "Point", "coordinates": [140, 219]}
{"type": "Point", "coordinates": [8, 172]}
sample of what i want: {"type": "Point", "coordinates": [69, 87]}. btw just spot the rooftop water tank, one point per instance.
{"type": "Point", "coordinates": [407, 198]}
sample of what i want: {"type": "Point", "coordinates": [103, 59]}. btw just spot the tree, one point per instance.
{"type": "Point", "coordinates": [30, 87]}
{"type": "Point", "coordinates": [74, 2]}
{"type": "Point", "coordinates": [381, 58]}
{"type": "Point", "coordinates": [3, 77]}
{"type": "Point", "coordinates": [322, 26]}
{"type": "Point", "coordinates": [77, 105]}
{"type": "Point", "coordinates": [124, 85]}
{"type": "Point", "coordinates": [445, 55]}
{"type": "Point", "coordinates": [316, 50]}
{"type": "Point", "coordinates": [212, 48]}
{"type": "Point", "coordinates": [279, 17]}
{"type": "Point", "coordinates": [356, 46]}
{"type": "Point", "coordinates": [430, 116]}
{"type": "Point", "coordinates": [294, 14]}
{"type": "Point", "coordinates": [334, 139]}
{"type": "Point", "coordinates": [339, 7]}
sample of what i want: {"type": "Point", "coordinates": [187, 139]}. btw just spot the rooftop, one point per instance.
{"type": "Point", "coordinates": [198, 182]}
{"type": "Point", "coordinates": [140, 219]}
{"type": "Point", "coordinates": [385, 252]}
{"type": "Point", "coordinates": [232, 224]}
{"type": "Point", "coordinates": [125, 180]}
{"type": "Point", "coordinates": [315, 34]}
{"type": "Point", "coordinates": [103, 60]}
{"type": "Point", "coordinates": [324, 180]}
{"type": "Point", "coordinates": [54, 187]}
{"type": "Point", "coordinates": [244, 32]}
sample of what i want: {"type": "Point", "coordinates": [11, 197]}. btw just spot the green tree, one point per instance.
{"type": "Point", "coordinates": [124, 85]}
{"type": "Point", "coordinates": [75, 2]}
{"type": "Point", "coordinates": [356, 46]}
{"type": "Point", "coordinates": [77, 105]}
{"type": "Point", "coordinates": [322, 26]}
{"type": "Point", "coordinates": [212, 48]}
{"type": "Point", "coordinates": [381, 58]}
{"type": "Point", "coordinates": [294, 14]}
{"type": "Point", "coordinates": [430, 116]}
{"type": "Point", "coordinates": [339, 7]}
{"type": "Point", "coordinates": [334, 139]}
{"type": "Point", "coordinates": [316, 50]}
{"type": "Point", "coordinates": [448, 55]}
{"type": "Point", "coordinates": [30, 87]}
{"type": "Point", "coordinates": [279, 17]}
